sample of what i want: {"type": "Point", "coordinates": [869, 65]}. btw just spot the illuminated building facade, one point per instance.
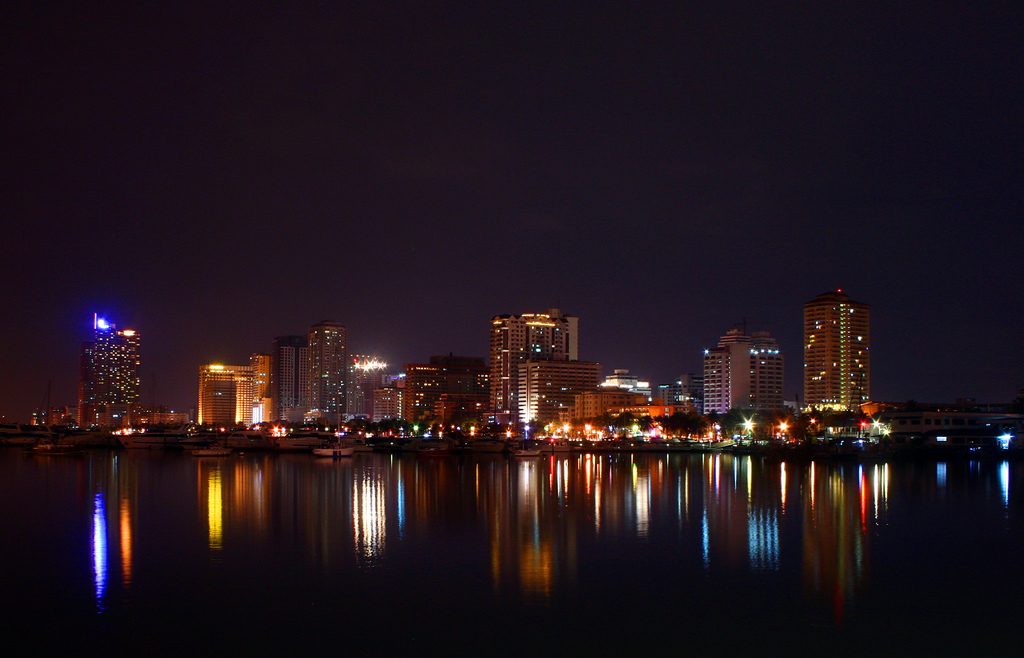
{"type": "Point", "coordinates": [549, 336]}
{"type": "Point", "coordinates": [622, 378]}
{"type": "Point", "coordinates": [289, 378]}
{"type": "Point", "coordinates": [455, 376]}
{"type": "Point", "coordinates": [328, 370]}
{"type": "Point", "coordinates": [109, 371]}
{"type": "Point", "coordinates": [687, 390]}
{"type": "Point", "coordinates": [387, 403]}
{"type": "Point", "coordinates": [548, 389]}
{"type": "Point", "coordinates": [262, 402]}
{"type": "Point", "coordinates": [225, 394]}
{"type": "Point", "coordinates": [591, 404]}
{"type": "Point", "coordinates": [743, 372]}
{"type": "Point", "coordinates": [837, 352]}
{"type": "Point", "coordinates": [365, 375]}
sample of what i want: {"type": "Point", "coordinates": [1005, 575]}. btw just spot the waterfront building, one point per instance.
{"type": "Point", "coordinates": [743, 372]}
{"type": "Point", "coordinates": [262, 402]}
{"type": "Point", "coordinates": [425, 383]}
{"type": "Point", "coordinates": [387, 403]}
{"type": "Point", "coordinates": [948, 426]}
{"type": "Point", "coordinates": [366, 373]}
{"type": "Point", "coordinates": [328, 370]}
{"type": "Point", "coordinates": [837, 352]}
{"type": "Point", "coordinates": [622, 378]}
{"type": "Point", "coordinates": [688, 390]}
{"type": "Point", "coordinates": [140, 415]}
{"type": "Point", "coordinates": [225, 394]}
{"type": "Point", "coordinates": [588, 405]}
{"type": "Point", "coordinates": [108, 371]}
{"type": "Point", "coordinates": [289, 378]}
{"type": "Point", "coordinates": [550, 336]}
{"type": "Point", "coordinates": [693, 390]}
{"type": "Point", "coordinates": [652, 410]}
{"type": "Point", "coordinates": [548, 389]}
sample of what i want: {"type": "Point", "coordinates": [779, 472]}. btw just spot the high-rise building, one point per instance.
{"type": "Point", "coordinates": [549, 336]}
{"type": "Point", "coordinates": [693, 390]}
{"type": "Point", "coordinates": [226, 394]}
{"type": "Point", "coordinates": [109, 371]}
{"type": "Point", "coordinates": [328, 370]}
{"type": "Point", "coordinates": [837, 352]}
{"type": "Point", "coordinates": [289, 378]}
{"type": "Point", "coordinates": [387, 403]}
{"type": "Point", "coordinates": [366, 374]}
{"type": "Point", "coordinates": [461, 380]}
{"type": "Point", "coordinates": [548, 389]}
{"type": "Point", "coordinates": [743, 372]}
{"type": "Point", "coordinates": [262, 402]}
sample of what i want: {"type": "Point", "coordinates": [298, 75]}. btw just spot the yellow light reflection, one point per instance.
{"type": "Point", "coordinates": [215, 509]}
{"type": "Point", "coordinates": [126, 542]}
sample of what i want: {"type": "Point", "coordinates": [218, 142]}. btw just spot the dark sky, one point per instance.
{"type": "Point", "coordinates": [216, 176]}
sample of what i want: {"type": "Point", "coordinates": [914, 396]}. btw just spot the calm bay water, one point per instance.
{"type": "Point", "coordinates": [131, 551]}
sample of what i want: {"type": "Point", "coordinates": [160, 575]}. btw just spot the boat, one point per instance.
{"type": "Point", "coordinates": [212, 451]}
{"type": "Point", "coordinates": [525, 450]}
{"type": "Point", "coordinates": [298, 442]}
{"type": "Point", "coordinates": [24, 435]}
{"type": "Point", "coordinates": [335, 452]}
{"type": "Point", "coordinates": [360, 445]}
{"type": "Point", "coordinates": [486, 445]}
{"type": "Point", "coordinates": [434, 448]}
{"type": "Point", "coordinates": [54, 448]}
{"type": "Point", "coordinates": [152, 439]}
{"type": "Point", "coordinates": [249, 440]}
{"type": "Point", "coordinates": [559, 446]}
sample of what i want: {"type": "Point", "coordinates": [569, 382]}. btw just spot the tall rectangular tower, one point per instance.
{"type": "Point", "coordinates": [328, 370]}
{"type": "Point", "coordinates": [108, 369]}
{"type": "Point", "coordinates": [226, 394]}
{"type": "Point", "coordinates": [837, 352]}
{"type": "Point", "coordinates": [549, 336]}
{"type": "Point", "coordinates": [743, 372]}
{"type": "Point", "coordinates": [289, 378]}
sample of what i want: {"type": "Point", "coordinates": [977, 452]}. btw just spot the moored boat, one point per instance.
{"type": "Point", "coordinates": [54, 448]}
{"type": "Point", "coordinates": [249, 440]}
{"type": "Point", "coordinates": [212, 451]}
{"type": "Point", "coordinates": [335, 452]}
{"type": "Point", "coordinates": [486, 446]}
{"type": "Point", "coordinates": [434, 448]}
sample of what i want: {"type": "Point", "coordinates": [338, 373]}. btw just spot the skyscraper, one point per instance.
{"type": "Point", "coordinates": [328, 370]}
{"type": "Point", "coordinates": [434, 389]}
{"type": "Point", "coordinates": [548, 389]}
{"type": "Point", "coordinates": [548, 336]}
{"type": "Point", "coordinates": [743, 372]}
{"type": "Point", "coordinates": [262, 402]}
{"type": "Point", "coordinates": [108, 371]}
{"type": "Point", "coordinates": [226, 394]}
{"type": "Point", "coordinates": [837, 352]}
{"type": "Point", "coordinates": [289, 378]}
{"type": "Point", "coordinates": [365, 374]}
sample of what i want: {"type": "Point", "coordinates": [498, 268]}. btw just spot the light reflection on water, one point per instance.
{"type": "Point", "coordinates": [531, 531]}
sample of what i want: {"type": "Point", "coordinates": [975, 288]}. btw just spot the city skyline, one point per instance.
{"type": "Point", "coordinates": [794, 387]}
{"type": "Point", "coordinates": [662, 173]}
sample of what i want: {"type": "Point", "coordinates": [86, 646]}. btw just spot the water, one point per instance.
{"type": "Point", "coordinates": [114, 552]}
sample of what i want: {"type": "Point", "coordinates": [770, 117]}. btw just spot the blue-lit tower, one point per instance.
{"type": "Point", "coordinates": [109, 373]}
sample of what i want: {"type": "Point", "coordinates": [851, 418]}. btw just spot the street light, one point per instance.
{"type": "Point", "coordinates": [748, 426]}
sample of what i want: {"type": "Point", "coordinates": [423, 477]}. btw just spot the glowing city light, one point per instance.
{"type": "Point", "coordinates": [368, 364]}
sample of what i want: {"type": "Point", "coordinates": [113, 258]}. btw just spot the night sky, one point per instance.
{"type": "Point", "coordinates": [214, 177]}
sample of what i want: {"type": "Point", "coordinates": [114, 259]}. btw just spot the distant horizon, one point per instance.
{"type": "Point", "coordinates": [794, 393]}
